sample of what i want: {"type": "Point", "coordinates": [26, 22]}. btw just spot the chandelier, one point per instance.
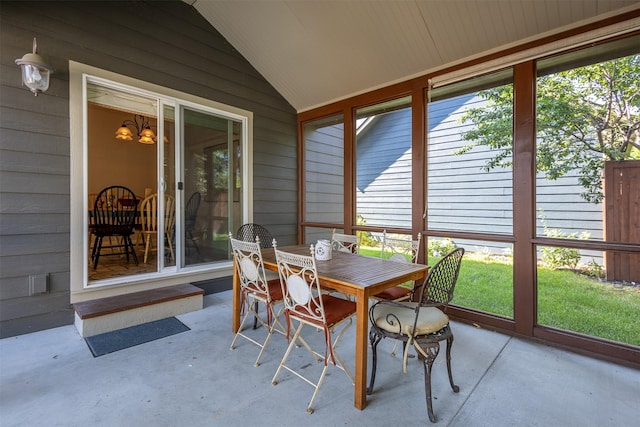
{"type": "Point", "coordinates": [142, 130]}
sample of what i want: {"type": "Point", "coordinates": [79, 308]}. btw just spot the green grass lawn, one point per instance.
{"type": "Point", "coordinates": [566, 300]}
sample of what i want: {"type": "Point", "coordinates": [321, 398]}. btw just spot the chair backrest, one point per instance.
{"type": "Point", "coordinates": [169, 213]}
{"type": "Point", "coordinates": [91, 200]}
{"type": "Point", "coordinates": [191, 211]}
{"type": "Point", "coordinates": [440, 282]}
{"type": "Point", "coordinates": [400, 249]}
{"type": "Point", "coordinates": [345, 242]}
{"type": "Point", "coordinates": [248, 260]}
{"type": "Point", "coordinates": [248, 232]}
{"type": "Point", "coordinates": [300, 285]}
{"type": "Point", "coordinates": [149, 213]}
{"type": "Point", "coordinates": [115, 205]}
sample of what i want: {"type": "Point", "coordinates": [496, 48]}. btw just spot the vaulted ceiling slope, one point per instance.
{"type": "Point", "coordinates": [318, 51]}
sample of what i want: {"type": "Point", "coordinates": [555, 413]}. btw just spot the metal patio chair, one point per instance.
{"type": "Point", "coordinates": [305, 303]}
{"type": "Point", "coordinates": [345, 242]}
{"type": "Point", "coordinates": [421, 324]}
{"type": "Point", "coordinates": [249, 232]}
{"type": "Point", "coordinates": [399, 249]}
{"type": "Point", "coordinates": [254, 289]}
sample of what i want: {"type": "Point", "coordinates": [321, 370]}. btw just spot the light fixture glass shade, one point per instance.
{"type": "Point", "coordinates": [147, 136]}
{"type": "Point", "coordinates": [124, 133]}
{"type": "Point", "coordinates": [35, 71]}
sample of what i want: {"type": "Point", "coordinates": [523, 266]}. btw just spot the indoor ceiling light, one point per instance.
{"type": "Point", "coordinates": [35, 71]}
{"type": "Point", "coordinates": [142, 130]}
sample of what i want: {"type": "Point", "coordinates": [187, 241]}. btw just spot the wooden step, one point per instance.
{"type": "Point", "coordinates": [117, 312]}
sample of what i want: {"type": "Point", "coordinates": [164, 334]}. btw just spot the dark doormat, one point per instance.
{"type": "Point", "coordinates": [128, 337]}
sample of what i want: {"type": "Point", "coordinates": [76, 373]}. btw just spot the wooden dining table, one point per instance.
{"type": "Point", "coordinates": [351, 274]}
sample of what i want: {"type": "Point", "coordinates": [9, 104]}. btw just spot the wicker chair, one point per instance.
{"type": "Point", "coordinates": [305, 303]}
{"type": "Point", "coordinates": [422, 324]}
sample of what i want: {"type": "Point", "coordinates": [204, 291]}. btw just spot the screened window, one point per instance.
{"type": "Point", "coordinates": [588, 175]}
{"type": "Point", "coordinates": [470, 188]}
{"type": "Point", "coordinates": [324, 170]}
{"type": "Point", "coordinates": [383, 164]}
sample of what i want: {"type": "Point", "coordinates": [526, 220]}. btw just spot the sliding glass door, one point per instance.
{"type": "Point", "coordinates": [211, 185]}
{"type": "Point", "coordinates": [184, 165]}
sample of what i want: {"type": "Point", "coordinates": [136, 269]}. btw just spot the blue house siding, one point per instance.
{"type": "Point", "coordinates": [175, 48]}
{"type": "Point", "coordinates": [383, 170]}
{"type": "Point", "coordinates": [461, 195]}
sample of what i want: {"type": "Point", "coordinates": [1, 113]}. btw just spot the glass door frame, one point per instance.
{"type": "Point", "coordinates": [80, 75]}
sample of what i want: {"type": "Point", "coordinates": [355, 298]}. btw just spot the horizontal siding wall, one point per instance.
{"type": "Point", "coordinates": [464, 197]}
{"type": "Point", "coordinates": [324, 173]}
{"type": "Point", "coordinates": [461, 195]}
{"type": "Point", "coordinates": [383, 171]}
{"type": "Point", "coordinates": [175, 48]}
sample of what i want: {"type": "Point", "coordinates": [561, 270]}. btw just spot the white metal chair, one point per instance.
{"type": "Point", "coordinates": [400, 250]}
{"type": "Point", "coordinates": [255, 288]}
{"type": "Point", "coordinates": [305, 303]}
{"type": "Point", "coordinates": [345, 242]}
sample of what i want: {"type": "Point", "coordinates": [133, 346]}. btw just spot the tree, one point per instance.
{"type": "Point", "coordinates": [585, 116]}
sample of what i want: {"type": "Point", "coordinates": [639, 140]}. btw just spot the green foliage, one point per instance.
{"type": "Point", "coordinates": [366, 239]}
{"type": "Point", "coordinates": [585, 116]}
{"type": "Point", "coordinates": [555, 257]}
{"type": "Point", "coordinates": [440, 247]}
{"type": "Point", "coordinates": [595, 270]}
{"type": "Point", "coordinates": [558, 257]}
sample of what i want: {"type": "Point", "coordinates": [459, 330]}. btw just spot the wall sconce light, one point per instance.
{"type": "Point", "coordinates": [142, 129]}
{"type": "Point", "coordinates": [35, 71]}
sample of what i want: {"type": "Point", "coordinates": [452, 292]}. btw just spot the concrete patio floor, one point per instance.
{"type": "Point", "coordinates": [50, 378]}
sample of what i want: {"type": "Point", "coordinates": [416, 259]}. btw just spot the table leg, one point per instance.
{"type": "Point", "coordinates": [235, 311]}
{"type": "Point", "coordinates": [362, 333]}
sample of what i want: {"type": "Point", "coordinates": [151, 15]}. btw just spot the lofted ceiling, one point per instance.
{"type": "Point", "coordinates": [318, 51]}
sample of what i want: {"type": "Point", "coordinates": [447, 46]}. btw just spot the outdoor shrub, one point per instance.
{"type": "Point", "coordinates": [595, 270]}
{"type": "Point", "coordinates": [557, 257]}
{"type": "Point", "coordinates": [440, 247]}
{"type": "Point", "coordinates": [484, 253]}
{"type": "Point", "coordinates": [366, 239]}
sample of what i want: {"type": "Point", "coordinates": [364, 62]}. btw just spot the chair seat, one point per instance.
{"type": "Point", "coordinates": [337, 309]}
{"type": "Point", "coordinates": [430, 319]}
{"type": "Point", "coordinates": [274, 290]}
{"type": "Point", "coordinates": [112, 230]}
{"type": "Point", "coordinates": [393, 293]}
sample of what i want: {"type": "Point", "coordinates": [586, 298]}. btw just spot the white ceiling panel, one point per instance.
{"type": "Point", "coordinates": [317, 52]}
